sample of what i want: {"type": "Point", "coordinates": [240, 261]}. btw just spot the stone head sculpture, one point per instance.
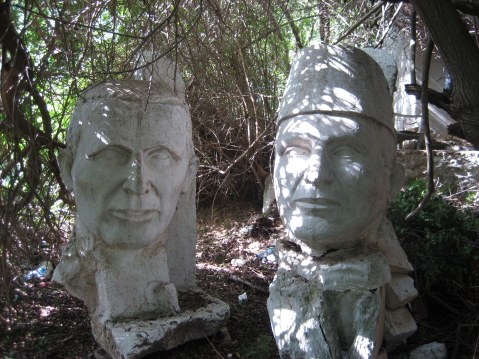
{"type": "Point", "coordinates": [129, 155]}
{"type": "Point", "coordinates": [131, 165]}
{"type": "Point", "coordinates": [334, 174]}
{"type": "Point", "coordinates": [334, 167]}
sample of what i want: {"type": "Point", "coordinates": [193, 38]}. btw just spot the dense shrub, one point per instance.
{"type": "Point", "coordinates": [442, 243]}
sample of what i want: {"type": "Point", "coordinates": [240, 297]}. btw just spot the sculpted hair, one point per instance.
{"type": "Point", "coordinates": [142, 93]}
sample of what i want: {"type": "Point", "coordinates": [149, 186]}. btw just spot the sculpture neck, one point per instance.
{"type": "Point", "coordinates": [343, 269]}
{"type": "Point", "coordinates": [91, 243]}
{"type": "Point", "coordinates": [362, 240]}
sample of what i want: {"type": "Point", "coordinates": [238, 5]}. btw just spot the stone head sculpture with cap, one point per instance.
{"type": "Point", "coordinates": [334, 167]}
{"type": "Point", "coordinates": [334, 174]}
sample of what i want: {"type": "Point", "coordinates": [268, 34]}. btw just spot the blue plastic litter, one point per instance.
{"type": "Point", "coordinates": [43, 270]}
{"type": "Point", "coordinates": [267, 255]}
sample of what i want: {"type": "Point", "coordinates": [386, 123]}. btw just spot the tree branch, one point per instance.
{"type": "Point", "coordinates": [439, 99]}
{"type": "Point", "coordinates": [77, 24]}
{"type": "Point", "coordinates": [413, 44]}
{"type": "Point", "coordinates": [292, 24]}
{"type": "Point", "coordinates": [466, 7]}
{"type": "Point", "coordinates": [16, 77]}
{"type": "Point", "coordinates": [427, 130]}
{"type": "Point", "coordinates": [371, 12]}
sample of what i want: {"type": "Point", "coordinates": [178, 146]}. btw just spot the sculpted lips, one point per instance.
{"type": "Point", "coordinates": [315, 204]}
{"type": "Point", "coordinates": [134, 215]}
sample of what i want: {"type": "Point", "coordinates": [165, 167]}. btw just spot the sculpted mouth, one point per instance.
{"type": "Point", "coordinates": [134, 215]}
{"type": "Point", "coordinates": [315, 204]}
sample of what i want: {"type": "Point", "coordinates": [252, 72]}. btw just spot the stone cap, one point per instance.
{"type": "Point", "coordinates": [338, 81]}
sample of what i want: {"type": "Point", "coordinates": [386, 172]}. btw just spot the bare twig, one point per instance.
{"type": "Point", "coordinates": [467, 7]}
{"type": "Point", "coordinates": [77, 24]}
{"type": "Point", "coordinates": [458, 339]}
{"type": "Point", "coordinates": [475, 30]}
{"type": "Point", "coordinates": [447, 306]}
{"type": "Point", "coordinates": [249, 284]}
{"type": "Point", "coordinates": [248, 150]}
{"type": "Point", "coordinates": [389, 25]}
{"type": "Point", "coordinates": [214, 348]}
{"type": "Point", "coordinates": [413, 44]}
{"type": "Point", "coordinates": [427, 131]}
{"type": "Point", "coordinates": [292, 24]}
{"type": "Point", "coordinates": [370, 13]}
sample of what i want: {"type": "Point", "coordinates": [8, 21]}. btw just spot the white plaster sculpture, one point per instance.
{"type": "Point", "coordinates": [334, 174]}
{"type": "Point", "coordinates": [131, 165]}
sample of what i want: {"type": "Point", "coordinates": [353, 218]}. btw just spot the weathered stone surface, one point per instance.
{"type": "Point", "coordinates": [338, 79]}
{"type": "Point", "coordinates": [388, 65]}
{"type": "Point", "coordinates": [182, 228]}
{"type": "Point", "coordinates": [398, 326]}
{"type": "Point", "coordinates": [334, 174]}
{"type": "Point", "coordinates": [429, 351]}
{"type": "Point", "coordinates": [268, 195]}
{"type": "Point", "coordinates": [386, 241]}
{"type": "Point", "coordinates": [341, 270]}
{"type": "Point", "coordinates": [123, 281]}
{"type": "Point", "coordinates": [120, 159]}
{"type": "Point", "coordinates": [310, 322]}
{"type": "Point", "coordinates": [400, 291]}
{"type": "Point", "coordinates": [201, 315]}
{"type": "Point", "coordinates": [130, 162]}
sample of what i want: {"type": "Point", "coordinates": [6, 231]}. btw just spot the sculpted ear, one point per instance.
{"type": "Point", "coordinates": [190, 174]}
{"type": "Point", "coordinates": [397, 180]}
{"type": "Point", "coordinates": [65, 161]}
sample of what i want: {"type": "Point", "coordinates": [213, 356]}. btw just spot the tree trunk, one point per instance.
{"type": "Point", "coordinates": [461, 56]}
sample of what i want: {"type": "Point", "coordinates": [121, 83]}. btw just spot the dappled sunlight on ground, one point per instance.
{"type": "Point", "coordinates": [46, 322]}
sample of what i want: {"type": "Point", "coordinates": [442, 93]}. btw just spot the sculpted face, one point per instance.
{"type": "Point", "coordinates": [128, 170]}
{"type": "Point", "coordinates": [331, 178]}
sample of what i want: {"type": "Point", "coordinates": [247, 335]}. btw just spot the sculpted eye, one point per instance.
{"type": "Point", "coordinates": [111, 155]}
{"type": "Point", "coordinates": [296, 151]}
{"type": "Point", "coordinates": [349, 160]}
{"type": "Point", "coordinates": [295, 147]}
{"type": "Point", "coordinates": [159, 156]}
{"type": "Point", "coordinates": [346, 153]}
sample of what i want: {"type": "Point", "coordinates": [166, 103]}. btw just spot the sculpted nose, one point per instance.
{"type": "Point", "coordinates": [319, 171]}
{"type": "Point", "coordinates": [136, 182]}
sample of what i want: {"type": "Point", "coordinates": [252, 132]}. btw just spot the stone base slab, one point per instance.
{"type": "Point", "coordinates": [201, 315]}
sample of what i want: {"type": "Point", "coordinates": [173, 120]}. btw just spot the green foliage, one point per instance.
{"type": "Point", "coordinates": [442, 241]}
{"type": "Point", "coordinates": [263, 348]}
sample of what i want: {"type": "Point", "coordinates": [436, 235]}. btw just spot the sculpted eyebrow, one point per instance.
{"type": "Point", "coordinates": [161, 147]}
{"type": "Point", "coordinates": [300, 136]}
{"type": "Point", "coordinates": [105, 147]}
{"type": "Point", "coordinates": [351, 141]}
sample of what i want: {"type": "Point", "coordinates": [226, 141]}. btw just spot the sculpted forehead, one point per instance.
{"type": "Point", "coordinates": [112, 121]}
{"type": "Point", "coordinates": [324, 127]}
{"type": "Point", "coordinates": [318, 126]}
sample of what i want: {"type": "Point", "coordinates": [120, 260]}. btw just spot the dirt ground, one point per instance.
{"type": "Point", "coordinates": [46, 322]}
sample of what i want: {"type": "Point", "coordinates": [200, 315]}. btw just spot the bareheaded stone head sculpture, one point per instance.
{"type": "Point", "coordinates": [130, 163]}
{"type": "Point", "coordinates": [335, 147]}
{"type": "Point", "coordinates": [129, 155]}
